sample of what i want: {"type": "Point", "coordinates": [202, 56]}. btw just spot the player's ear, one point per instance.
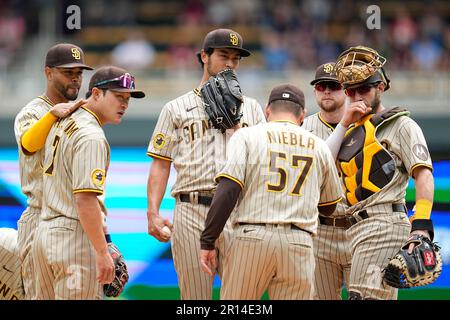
{"type": "Point", "coordinates": [204, 56]}
{"type": "Point", "coordinates": [96, 92]}
{"type": "Point", "coordinates": [267, 111]}
{"type": "Point", "coordinates": [301, 116]}
{"type": "Point", "coordinates": [381, 86]}
{"type": "Point", "coordinates": [48, 73]}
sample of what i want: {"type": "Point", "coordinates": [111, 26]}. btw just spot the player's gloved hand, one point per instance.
{"type": "Point", "coordinates": [62, 110]}
{"type": "Point", "coordinates": [418, 263]}
{"type": "Point", "coordinates": [155, 225]}
{"type": "Point", "coordinates": [222, 97]}
{"type": "Point", "coordinates": [116, 286]}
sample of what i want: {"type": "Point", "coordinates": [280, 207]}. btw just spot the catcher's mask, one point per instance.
{"type": "Point", "coordinates": [359, 66]}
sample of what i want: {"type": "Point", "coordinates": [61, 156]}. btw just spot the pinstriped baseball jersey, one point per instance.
{"type": "Point", "coordinates": [285, 172]}
{"type": "Point", "coordinates": [405, 141]}
{"type": "Point", "coordinates": [10, 277]}
{"type": "Point", "coordinates": [318, 126]}
{"type": "Point", "coordinates": [76, 160]}
{"type": "Point", "coordinates": [183, 135]}
{"type": "Point", "coordinates": [31, 164]}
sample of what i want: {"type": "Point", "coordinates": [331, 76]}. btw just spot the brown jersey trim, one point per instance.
{"type": "Point", "coordinates": [329, 202]}
{"type": "Point", "coordinates": [47, 100]}
{"type": "Point", "coordinates": [296, 124]}
{"type": "Point", "coordinates": [95, 116]}
{"type": "Point", "coordinates": [197, 92]}
{"type": "Point", "coordinates": [154, 155]}
{"type": "Point", "coordinates": [88, 190]}
{"type": "Point", "coordinates": [421, 165]}
{"type": "Point", "coordinates": [324, 122]}
{"type": "Point", "coordinates": [224, 175]}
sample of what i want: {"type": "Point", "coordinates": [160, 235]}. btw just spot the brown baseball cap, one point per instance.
{"type": "Point", "coordinates": [224, 38]}
{"type": "Point", "coordinates": [287, 92]}
{"type": "Point", "coordinates": [325, 72]}
{"type": "Point", "coordinates": [66, 55]}
{"type": "Point", "coordinates": [115, 79]}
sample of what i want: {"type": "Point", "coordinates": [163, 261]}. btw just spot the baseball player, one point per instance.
{"type": "Point", "coordinates": [376, 157]}
{"type": "Point", "coordinates": [283, 176]}
{"type": "Point", "coordinates": [64, 65]}
{"type": "Point", "coordinates": [70, 250]}
{"type": "Point", "coordinates": [331, 246]}
{"type": "Point", "coordinates": [11, 287]}
{"type": "Point", "coordinates": [184, 136]}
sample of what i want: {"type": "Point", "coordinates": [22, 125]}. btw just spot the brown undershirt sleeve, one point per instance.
{"type": "Point", "coordinates": [222, 205]}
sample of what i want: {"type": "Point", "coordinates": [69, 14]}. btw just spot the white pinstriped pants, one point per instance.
{"type": "Point", "coordinates": [64, 262]}
{"type": "Point", "coordinates": [189, 222]}
{"type": "Point", "coordinates": [333, 262]}
{"type": "Point", "coordinates": [276, 258]}
{"type": "Point", "coordinates": [373, 242]}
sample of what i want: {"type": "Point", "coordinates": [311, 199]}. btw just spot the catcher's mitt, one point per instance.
{"type": "Point", "coordinates": [222, 97]}
{"type": "Point", "coordinates": [115, 288]}
{"type": "Point", "coordinates": [357, 64]}
{"type": "Point", "coordinates": [419, 268]}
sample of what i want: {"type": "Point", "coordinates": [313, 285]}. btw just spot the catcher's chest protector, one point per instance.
{"type": "Point", "coordinates": [365, 165]}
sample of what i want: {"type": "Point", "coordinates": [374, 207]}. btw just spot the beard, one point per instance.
{"type": "Point", "coordinates": [64, 91]}
{"type": "Point", "coordinates": [209, 69]}
{"type": "Point", "coordinates": [329, 105]}
{"type": "Point", "coordinates": [375, 103]}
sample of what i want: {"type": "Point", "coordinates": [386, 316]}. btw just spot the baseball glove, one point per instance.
{"type": "Point", "coordinates": [357, 64]}
{"type": "Point", "coordinates": [419, 268]}
{"type": "Point", "coordinates": [115, 288]}
{"type": "Point", "coordinates": [222, 97]}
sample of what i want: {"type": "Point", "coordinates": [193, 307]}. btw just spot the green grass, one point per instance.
{"type": "Point", "coordinates": [141, 292]}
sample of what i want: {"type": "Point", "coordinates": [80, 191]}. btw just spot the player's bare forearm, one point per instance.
{"type": "Point", "coordinates": [424, 183]}
{"type": "Point", "coordinates": [91, 219]}
{"type": "Point", "coordinates": [156, 187]}
{"type": "Point", "coordinates": [157, 183]}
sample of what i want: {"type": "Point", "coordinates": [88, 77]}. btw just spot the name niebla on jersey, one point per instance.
{"type": "Point", "coordinates": [291, 138]}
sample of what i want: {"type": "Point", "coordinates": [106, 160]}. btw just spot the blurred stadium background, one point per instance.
{"type": "Point", "coordinates": [157, 41]}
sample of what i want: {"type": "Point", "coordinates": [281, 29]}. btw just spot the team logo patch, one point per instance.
{"type": "Point", "coordinates": [328, 68]}
{"type": "Point", "coordinates": [420, 151]}
{"type": "Point", "coordinates": [159, 141]}
{"type": "Point", "coordinates": [98, 177]}
{"type": "Point", "coordinates": [234, 39]}
{"type": "Point", "coordinates": [76, 53]}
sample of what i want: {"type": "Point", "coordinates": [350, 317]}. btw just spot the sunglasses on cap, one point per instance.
{"type": "Point", "coordinates": [322, 86]}
{"type": "Point", "coordinates": [125, 81]}
{"type": "Point", "coordinates": [361, 90]}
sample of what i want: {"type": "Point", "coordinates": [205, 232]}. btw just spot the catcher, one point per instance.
{"type": "Point", "coordinates": [192, 132]}
{"type": "Point", "coordinates": [377, 150]}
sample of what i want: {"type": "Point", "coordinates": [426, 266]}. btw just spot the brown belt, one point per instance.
{"type": "Point", "coordinates": [348, 221]}
{"type": "Point", "coordinates": [205, 200]}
